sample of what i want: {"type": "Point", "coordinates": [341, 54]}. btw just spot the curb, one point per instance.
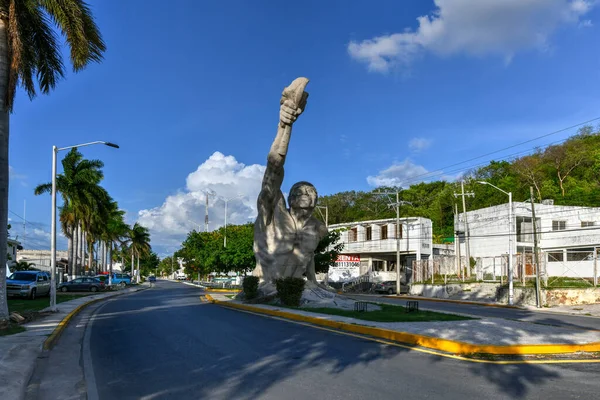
{"type": "Point", "coordinates": [223, 290]}
{"type": "Point", "coordinates": [467, 302]}
{"type": "Point", "coordinates": [55, 335]}
{"type": "Point", "coordinates": [445, 345]}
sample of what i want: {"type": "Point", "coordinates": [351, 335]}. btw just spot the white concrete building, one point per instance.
{"type": "Point", "coordinates": [370, 248]}
{"type": "Point", "coordinates": [568, 236]}
{"type": "Point", "coordinates": [12, 246]}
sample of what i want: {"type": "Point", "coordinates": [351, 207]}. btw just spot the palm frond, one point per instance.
{"type": "Point", "coordinates": [74, 18]}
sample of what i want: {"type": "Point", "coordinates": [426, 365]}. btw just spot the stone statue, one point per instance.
{"type": "Point", "coordinates": [285, 239]}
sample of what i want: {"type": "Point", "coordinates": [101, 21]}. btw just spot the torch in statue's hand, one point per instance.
{"type": "Point", "coordinates": [293, 102]}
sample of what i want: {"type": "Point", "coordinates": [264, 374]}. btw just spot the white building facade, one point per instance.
{"type": "Point", "coordinates": [568, 236]}
{"type": "Point", "coordinates": [370, 248]}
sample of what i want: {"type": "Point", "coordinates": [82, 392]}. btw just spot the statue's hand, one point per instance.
{"type": "Point", "coordinates": [288, 112]}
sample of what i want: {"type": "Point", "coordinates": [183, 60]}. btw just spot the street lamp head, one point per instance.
{"type": "Point", "coordinates": [109, 144]}
{"type": "Point", "coordinates": [483, 182]}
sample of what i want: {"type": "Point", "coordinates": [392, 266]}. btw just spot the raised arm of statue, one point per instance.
{"type": "Point", "coordinates": [293, 102]}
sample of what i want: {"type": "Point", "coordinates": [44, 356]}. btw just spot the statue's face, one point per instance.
{"type": "Point", "coordinates": [303, 196]}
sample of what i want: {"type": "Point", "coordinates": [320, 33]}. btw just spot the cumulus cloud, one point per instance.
{"type": "Point", "coordinates": [398, 174]}
{"type": "Point", "coordinates": [182, 212]}
{"type": "Point", "coordinates": [419, 144]}
{"type": "Point", "coordinates": [478, 28]}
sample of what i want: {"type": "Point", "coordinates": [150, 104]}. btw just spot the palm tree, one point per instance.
{"type": "Point", "coordinates": [116, 230]}
{"type": "Point", "coordinates": [78, 185]}
{"type": "Point", "coordinates": [139, 243]}
{"type": "Point", "coordinates": [30, 52]}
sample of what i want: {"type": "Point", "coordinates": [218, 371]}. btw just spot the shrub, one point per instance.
{"type": "Point", "coordinates": [250, 285]}
{"type": "Point", "coordinates": [290, 290]}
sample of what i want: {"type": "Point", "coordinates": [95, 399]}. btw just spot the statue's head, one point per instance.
{"type": "Point", "coordinates": [303, 195]}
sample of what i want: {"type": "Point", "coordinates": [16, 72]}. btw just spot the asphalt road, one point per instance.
{"type": "Point", "coordinates": [163, 343]}
{"type": "Point", "coordinates": [541, 317]}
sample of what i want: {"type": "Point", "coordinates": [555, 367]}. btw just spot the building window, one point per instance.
{"type": "Point", "coordinates": [377, 265]}
{"type": "Point", "coordinates": [559, 225]}
{"type": "Point", "coordinates": [369, 233]}
{"type": "Point", "coordinates": [587, 224]}
{"type": "Point", "coordinates": [353, 235]}
{"type": "Point", "coordinates": [584, 254]}
{"type": "Point", "coordinates": [525, 229]}
{"type": "Point", "coordinates": [384, 232]}
{"type": "Point", "coordinates": [555, 256]}
{"type": "Point", "coordinates": [399, 231]}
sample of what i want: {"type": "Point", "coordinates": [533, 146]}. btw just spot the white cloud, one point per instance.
{"type": "Point", "coordinates": [12, 174]}
{"type": "Point", "coordinates": [586, 23]}
{"type": "Point", "coordinates": [407, 173]}
{"type": "Point", "coordinates": [419, 144]}
{"type": "Point", "coordinates": [482, 27]}
{"type": "Point", "coordinates": [184, 211]}
{"type": "Point", "coordinates": [398, 174]}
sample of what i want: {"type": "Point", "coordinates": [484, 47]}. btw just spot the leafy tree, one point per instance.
{"type": "Point", "coordinates": [327, 251]}
{"type": "Point", "coordinates": [139, 244]}
{"type": "Point", "coordinates": [30, 52]}
{"type": "Point", "coordinates": [79, 188]}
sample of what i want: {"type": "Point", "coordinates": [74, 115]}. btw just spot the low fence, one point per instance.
{"type": "Point", "coordinates": [576, 271]}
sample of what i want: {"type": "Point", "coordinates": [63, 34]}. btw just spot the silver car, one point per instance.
{"type": "Point", "coordinates": [29, 284]}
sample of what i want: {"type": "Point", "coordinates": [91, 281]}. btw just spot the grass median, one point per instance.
{"type": "Point", "coordinates": [22, 306]}
{"type": "Point", "coordinates": [388, 313]}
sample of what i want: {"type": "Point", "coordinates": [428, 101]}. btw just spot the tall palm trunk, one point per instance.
{"type": "Point", "coordinates": [132, 263]}
{"type": "Point", "coordinates": [4, 124]}
{"type": "Point", "coordinates": [110, 270]}
{"type": "Point", "coordinates": [75, 250]}
{"type": "Point", "coordinates": [137, 279]}
{"type": "Point", "coordinates": [82, 249]}
{"type": "Point", "coordinates": [69, 250]}
{"type": "Point", "coordinates": [91, 256]}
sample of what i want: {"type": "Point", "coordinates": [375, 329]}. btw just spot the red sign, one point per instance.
{"type": "Point", "coordinates": [348, 258]}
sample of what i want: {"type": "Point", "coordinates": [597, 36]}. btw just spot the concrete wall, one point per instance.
{"type": "Point", "coordinates": [569, 297]}
{"type": "Point", "coordinates": [490, 292]}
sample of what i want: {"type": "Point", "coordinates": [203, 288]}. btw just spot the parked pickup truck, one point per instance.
{"type": "Point", "coordinates": [117, 279]}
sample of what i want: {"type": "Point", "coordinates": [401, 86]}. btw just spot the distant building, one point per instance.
{"type": "Point", "coordinates": [41, 258]}
{"type": "Point", "coordinates": [370, 248]}
{"type": "Point", "coordinates": [12, 246]}
{"type": "Point", "coordinates": [568, 236]}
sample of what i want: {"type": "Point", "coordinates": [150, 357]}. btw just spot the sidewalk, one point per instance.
{"type": "Point", "coordinates": [485, 335]}
{"type": "Point", "coordinates": [19, 352]}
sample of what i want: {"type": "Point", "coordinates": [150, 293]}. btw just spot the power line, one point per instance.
{"type": "Point", "coordinates": [510, 147]}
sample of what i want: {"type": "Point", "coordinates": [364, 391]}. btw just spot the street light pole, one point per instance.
{"type": "Point", "coordinates": [55, 151]}
{"type": "Point", "coordinates": [53, 235]}
{"type": "Point", "coordinates": [226, 200]}
{"type": "Point", "coordinates": [511, 291]}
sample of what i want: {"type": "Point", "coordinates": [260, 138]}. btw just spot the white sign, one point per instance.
{"type": "Point", "coordinates": [346, 267]}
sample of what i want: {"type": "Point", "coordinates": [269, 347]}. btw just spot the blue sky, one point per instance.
{"type": "Point", "coordinates": [398, 89]}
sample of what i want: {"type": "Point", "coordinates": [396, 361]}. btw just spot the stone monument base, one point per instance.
{"type": "Point", "coordinates": [314, 296]}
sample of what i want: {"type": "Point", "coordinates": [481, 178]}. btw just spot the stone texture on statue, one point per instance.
{"type": "Point", "coordinates": [285, 239]}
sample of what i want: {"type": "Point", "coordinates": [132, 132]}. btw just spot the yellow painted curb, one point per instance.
{"type": "Point", "coordinates": [51, 341]}
{"type": "Point", "coordinates": [209, 298]}
{"type": "Point", "coordinates": [472, 303]}
{"type": "Point", "coordinates": [445, 345]}
{"type": "Point", "coordinates": [223, 290]}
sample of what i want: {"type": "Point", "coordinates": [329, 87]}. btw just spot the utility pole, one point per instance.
{"type": "Point", "coordinates": [538, 298]}
{"type": "Point", "coordinates": [459, 264]}
{"type": "Point", "coordinates": [397, 204]}
{"type": "Point", "coordinates": [326, 214]}
{"type": "Point", "coordinates": [467, 250]}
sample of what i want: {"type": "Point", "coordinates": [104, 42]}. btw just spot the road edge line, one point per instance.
{"type": "Point", "coordinates": [57, 332]}
{"type": "Point", "coordinates": [445, 345]}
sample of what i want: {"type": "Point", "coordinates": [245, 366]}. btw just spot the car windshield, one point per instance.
{"type": "Point", "coordinates": [20, 276]}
